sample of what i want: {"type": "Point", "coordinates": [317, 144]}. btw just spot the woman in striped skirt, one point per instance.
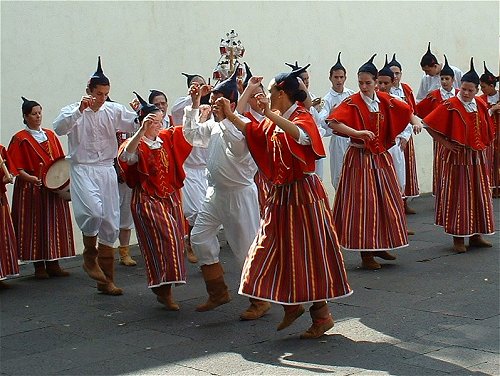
{"type": "Point", "coordinates": [8, 244]}
{"type": "Point", "coordinates": [464, 128]}
{"type": "Point", "coordinates": [491, 96]}
{"type": "Point", "coordinates": [42, 219]}
{"type": "Point", "coordinates": [152, 162]}
{"type": "Point", "coordinates": [368, 210]}
{"type": "Point", "coordinates": [295, 258]}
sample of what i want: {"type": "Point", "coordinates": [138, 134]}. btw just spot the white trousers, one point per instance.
{"type": "Point", "coordinates": [194, 192]}
{"type": "Point", "coordinates": [338, 147]}
{"type": "Point", "coordinates": [238, 211]}
{"type": "Point", "coordinates": [94, 196]}
{"type": "Point", "coordinates": [126, 220]}
{"type": "Point", "coordinates": [398, 157]}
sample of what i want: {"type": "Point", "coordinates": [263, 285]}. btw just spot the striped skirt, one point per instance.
{"type": "Point", "coordinates": [295, 257]}
{"type": "Point", "coordinates": [437, 163]}
{"type": "Point", "coordinates": [8, 244]}
{"type": "Point", "coordinates": [42, 222]}
{"type": "Point", "coordinates": [464, 198]}
{"type": "Point", "coordinates": [494, 161]}
{"type": "Point", "coordinates": [262, 189]}
{"type": "Point", "coordinates": [411, 185]}
{"type": "Point", "coordinates": [368, 212]}
{"type": "Point", "coordinates": [159, 225]}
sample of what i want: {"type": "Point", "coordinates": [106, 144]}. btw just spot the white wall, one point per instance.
{"type": "Point", "coordinates": [49, 49]}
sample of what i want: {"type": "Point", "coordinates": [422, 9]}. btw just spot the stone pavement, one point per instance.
{"type": "Point", "coordinates": [431, 312]}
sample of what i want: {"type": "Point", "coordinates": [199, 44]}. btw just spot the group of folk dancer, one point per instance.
{"type": "Point", "coordinates": [233, 156]}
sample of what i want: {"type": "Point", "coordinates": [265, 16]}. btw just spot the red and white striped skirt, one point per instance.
{"type": "Point", "coordinates": [295, 257]}
{"type": "Point", "coordinates": [464, 200]}
{"type": "Point", "coordinates": [411, 186]}
{"type": "Point", "coordinates": [159, 224]}
{"type": "Point", "coordinates": [42, 222]}
{"type": "Point", "coordinates": [262, 190]}
{"type": "Point", "coordinates": [8, 244]}
{"type": "Point", "coordinates": [368, 211]}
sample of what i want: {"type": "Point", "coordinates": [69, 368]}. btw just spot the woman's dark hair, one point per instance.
{"type": "Point", "coordinates": [297, 95]}
{"type": "Point", "coordinates": [290, 85]}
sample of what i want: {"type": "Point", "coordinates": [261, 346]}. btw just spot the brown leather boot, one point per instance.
{"type": "Point", "coordinates": [367, 261]}
{"type": "Point", "coordinates": [292, 313]}
{"type": "Point", "coordinates": [408, 210]}
{"type": "Point", "coordinates": [4, 286]}
{"type": "Point", "coordinates": [479, 242]}
{"type": "Point", "coordinates": [257, 309]}
{"type": "Point", "coordinates": [384, 255]}
{"type": "Point", "coordinates": [218, 293]}
{"type": "Point", "coordinates": [106, 260]}
{"type": "Point", "coordinates": [322, 321]}
{"type": "Point", "coordinates": [125, 258]}
{"type": "Point", "coordinates": [90, 264]}
{"type": "Point", "coordinates": [54, 270]}
{"type": "Point", "coordinates": [164, 296]}
{"type": "Point", "coordinates": [191, 256]}
{"type": "Point", "coordinates": [459, 245]}
{"type": "Point", "coordinates": [40, 272]}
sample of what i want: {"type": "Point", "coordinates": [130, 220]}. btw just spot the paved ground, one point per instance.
{"type": "Point", "coordinates": [431, 312]}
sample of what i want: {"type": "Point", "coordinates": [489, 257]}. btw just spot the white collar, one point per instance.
{"type": "Point", "coordinates": [153, 144]}
{"type": "Point", "coordinates": [368, 100]}
{"type": "Point", "coordinates": [259, 117]}
{"type": "Point", "coordinates": [290, 111]}
{"type": "Point", "coordinates": [39, 135]}
{"type": "Point", "coordinates": [469, 106]}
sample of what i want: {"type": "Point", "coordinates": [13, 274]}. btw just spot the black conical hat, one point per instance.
{"type": "Point", "coordinates": [98, 78]}
{"type": "Point", "coordinates": [248, 74]}
{"type": "Point", "coordinates": [145, 107]}
{"type": "Point", "coordinates": [289, 80]}
{"type": "Point", "coordinates": [488, 77]}
{"type": "Point", "coordinates": [428, 58]}
{"type": "Point", "coordinates": [369, 67]}
{"type": "Point", "coordinates": [190, 77]}
{"type": "Point", "coordinates": [447, 70]}
{"type": "Point", "coordinates": [394, 62]}
{"type": "Point", "coordinates": [294, 66]}
{"type": "Point", "coordinates": [471, 75]}
{"type": "Point", "coordinates": [338, 65]}
{"type": "Point", "coordinates": [28, 105]}
{"type": "Point", "coordinates": [386, 70]}
{"type": "Point", "coordinates": [229, 87]}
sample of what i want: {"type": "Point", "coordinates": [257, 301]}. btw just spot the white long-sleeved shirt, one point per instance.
{"type": "Point", "coordinates": [177, 109]}
{"type": "Point", "coordinates": [92, 135]}
{"type": "Point", "coordinates": [493, 99]}
{"type": "Point", "coordinates": [229, 161]}
{"type": "Point", "coordinates": [429, 83]}
{"type": "Point", "coordinates": [331, 100]}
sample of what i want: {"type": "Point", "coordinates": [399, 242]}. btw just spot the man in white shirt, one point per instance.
{"type": "Point", "coordinates": [431, 79]}
{"type": "Point", "coordinates": [338, 144]}
{"type": "Point", "coordinates": [233, 203]}
{"type": "Point", "coordinates": [91, 126]}
{"type": "Point", "coordinates": [179, 105]}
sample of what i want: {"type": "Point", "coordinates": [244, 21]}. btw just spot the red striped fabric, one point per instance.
{"type": "Point", "coordinates": [411, 187]}
{"type": "Point", "coordinates": [368, 211]}
{"type": "Point", "coordinates": [464, 197]}
{"type": "Point", "coordinates": [159, 224]}
{"type": "Point", "coordinates": [8, 244]}
{"type": "Point", "coordinates": [262, 189]}
{"type": "Point", "coordinates": [42, 222]}
{"type": "Point", "coordinates": [295, 257]}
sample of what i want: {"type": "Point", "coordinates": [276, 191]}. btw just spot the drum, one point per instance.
{"type": "Point", "coordinates": [57, 178]}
